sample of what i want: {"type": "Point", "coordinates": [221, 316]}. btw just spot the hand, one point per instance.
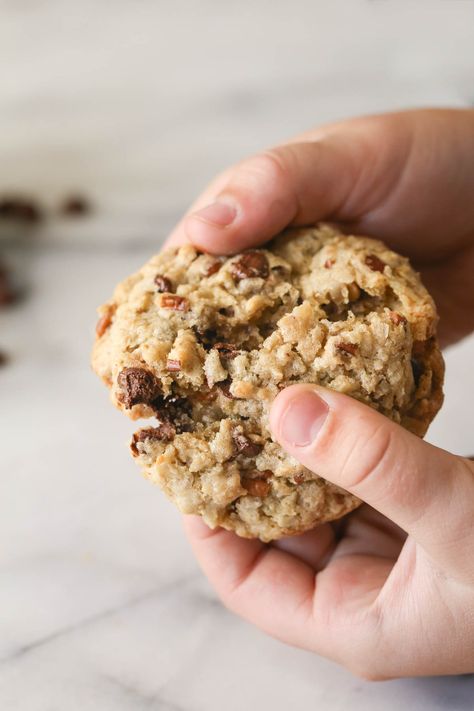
{"type": "Point", "coordinates": [389, 590]}
{"type": "Point", "coordinates": [407, 178]}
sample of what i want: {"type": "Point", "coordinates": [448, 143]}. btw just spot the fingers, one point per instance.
{"type": "Point", "coordinates": [425, 490]}
{"type": "Point", "coordinates": [266, 586]}
{"type": "Point", "coordinates": [363, 172]}
{"type": "Point", "coordinates": [266, 193]}
{"type": "Point", "coordinates": [314, 547]}
{"type": "Point", "coordinates": [331, 612]}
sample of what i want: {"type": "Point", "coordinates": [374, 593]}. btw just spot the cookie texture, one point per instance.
{"type": "Point", "coordinates": [203, 344]}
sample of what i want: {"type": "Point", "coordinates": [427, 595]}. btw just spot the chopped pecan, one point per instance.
{"type": "Point", "coordinates": [172, 301]}
{"type": "Point", "coordinates": [174, 366]}
{"type": "Point", "coordinates": [226, 350]}
{"type": "Point", "coordinates": [105, 320]}
{"type": "Point", "coordinates": [396, 318]}
{"type": "Point", "coordinates": [250, 264]}
{"type": "Point", "coordinates": [246, 446]}
{"type": "Point", "coordinates": [138, 386]}
{"type": "Point", "coordinates": [329, 263]}
{"type": "Point", "coordinates": [163, 284]}
{"type": "Point", "coordinates": [345, 347]}
{"type": "Point", "coordinates": [374, 263]}
{"type": "Point", "coordinates": [164, 433]}
{"type": "Point", "coordinates": [299, 478]}
{"type": "Point", "coordinates": [213, 267]}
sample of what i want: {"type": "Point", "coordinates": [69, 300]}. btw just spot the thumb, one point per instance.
{"type": "Point", "coordinates": [425, 490]}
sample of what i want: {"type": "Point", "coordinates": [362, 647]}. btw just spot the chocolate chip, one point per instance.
{"type": "Point", "coordinates": [138, 386]}
{"type": "Point", "coordinates": [350, 348]}
{"type": "Point", "coordinates": [246, 446]}
{"type": "Point", "coordinates": [75, 206]}
{"type": "Point", "coordinates": [224, 387]}
{"type": "Point", "coordinates": [374, 263]}
{"type": "Point", "coordinates": [163, 283]}
{"type": "Point", "coordinates": [396, 318]}
{"type": "Point", "coordinates": [353, 291]}
{"type": "Point", "coordinates": [173, 366]}
{"type": "Point", "coordinates": [227, 311]}
{"type": "Point", "coordinates": [175, 411]}
{"type": "Point", "coordinates": [163, 433]}
{"type": "Point", "coordinates": [256, 487]}
{"type": "Point", "coordinates": [250, 264]}
{"type": "Point", "coordinates": [417, 370]}
{"type": "Point", "coordinates": [172, 301]}
{"type": "Point", "coordinates": [226, 350]}
{"type": "Point", "coordinates": [20, 208]}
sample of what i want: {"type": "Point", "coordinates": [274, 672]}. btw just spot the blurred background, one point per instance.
{"type": "Point", "coordinates": [112, 117]}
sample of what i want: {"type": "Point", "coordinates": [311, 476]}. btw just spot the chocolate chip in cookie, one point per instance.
{"type": "Point", "coordinates": [163, 284]}
{"type": "Point", "coordinates": [250, 264]}
{"type": "Point", "coordinates": [138, 386]}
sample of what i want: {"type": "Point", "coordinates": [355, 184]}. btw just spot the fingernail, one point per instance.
{"type": "Point", "coordinates": [302, 419]}
{"type": "Point", "coordinates": [219, 213]}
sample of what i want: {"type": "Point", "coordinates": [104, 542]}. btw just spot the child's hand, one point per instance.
{"type": "Point", "coordinates": [361, 591]}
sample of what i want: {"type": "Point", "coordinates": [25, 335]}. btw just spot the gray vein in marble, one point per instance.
{"type": "Point", "coordinates": [103, 614]}
{"type": "Point", "coordinates": [146, 701]}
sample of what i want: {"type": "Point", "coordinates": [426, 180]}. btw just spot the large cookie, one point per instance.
{"type": "Point", "coordinates": [204, 344]}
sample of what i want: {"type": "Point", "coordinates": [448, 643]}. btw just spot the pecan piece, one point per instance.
{"type": "Point", "coordinates": [104, 321]}
{"type": "Point", "coordinates": [164, 433]}
{"type": "Point", "coordinates": [396, 318]}
{"type": "Point", "coordinates": [250, 264]}
{"type": "Point", "coordinates": [246, 446]}
{"type": "Point", "coordinates": [226, 350]}
{"type": "Point", "coordinates": [374, 263]}
{"type": "Point", "coordinates": [174, 366]}
{"type": "Point", "coordinates": [350, 348]}
{"type": "Point", "coordinates": [299, 478]}
{"type": "Point", "coordinates": [172, 301]}
{"type": "Point", "coordinates": [138, 386]}
{"type": "Point", "coordinates": [213, 268]}
{"type": "Point", "coordinates": [329, 263]}
{"type": "Point", "coordinates": [163, 284]}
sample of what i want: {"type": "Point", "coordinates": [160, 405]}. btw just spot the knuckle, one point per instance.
{"type": "Point", "coordinates": [373, 455]}
{"type": "Point", "coordinates": [271, 165]}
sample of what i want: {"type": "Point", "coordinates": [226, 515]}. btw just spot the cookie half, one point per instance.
{"type": "Point", "coordinates": [203, 344]}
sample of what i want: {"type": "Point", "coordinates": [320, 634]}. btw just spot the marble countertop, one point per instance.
{"type": "Point", "coordinates": [102, 606]}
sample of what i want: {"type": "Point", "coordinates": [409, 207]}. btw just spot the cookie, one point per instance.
{"type": "Point", "coordinates": [203, 344]}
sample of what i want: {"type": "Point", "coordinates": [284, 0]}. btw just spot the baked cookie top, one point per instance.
{"type": "Point", "coordinates": [203, 344]}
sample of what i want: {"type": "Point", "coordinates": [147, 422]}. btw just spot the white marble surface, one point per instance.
{"type": "Point", "coordinates": [101, 604]}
